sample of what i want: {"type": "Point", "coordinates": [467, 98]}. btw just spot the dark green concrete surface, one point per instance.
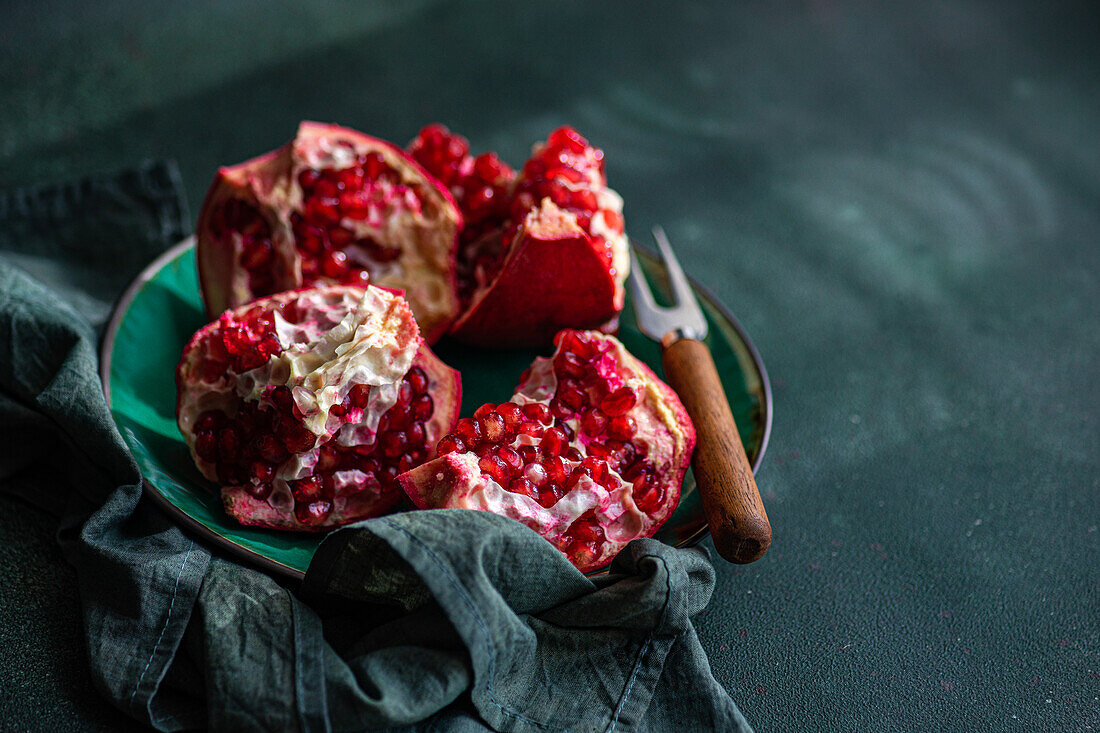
{"type": "Point", "coordinates": [900, 202]}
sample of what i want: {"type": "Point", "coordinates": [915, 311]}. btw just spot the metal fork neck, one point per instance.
{"type": "Point", "coordinates": [678, 334]}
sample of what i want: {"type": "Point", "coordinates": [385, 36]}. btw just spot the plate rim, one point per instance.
{"type": "Point", "coordinates": [122, 307]}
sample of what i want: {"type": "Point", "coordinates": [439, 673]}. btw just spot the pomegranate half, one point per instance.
{"type": "Point", "coordinates": [590, 452]}
{"type": "Point", "coordinates": [331, 206]}
{"type": "Point", "coordinates": [543, 250]}
{"type": "Point", "coordinates": [306, 405]}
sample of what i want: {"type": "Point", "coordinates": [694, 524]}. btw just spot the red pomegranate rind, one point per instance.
{"type": "Point", "coordinates": [552, 277]}
{"type": "Point", "coordinates": [590, 452]}
{"type": "Point", "coordinates": [331, 206]}
{"type": "Point", "coordinates": [305, 406]}
{"type": "Point", "coordinates": [563, 180]}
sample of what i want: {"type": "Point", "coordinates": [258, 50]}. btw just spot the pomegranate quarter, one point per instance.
{"type": "Point", "coordinates": [305, 406]}
{"type": "Point", "coordinates": [331, 206]}
{"type": "Point", "coordinates": [590, 452]}
{"type": "Point", "coordinates": [541, 251]}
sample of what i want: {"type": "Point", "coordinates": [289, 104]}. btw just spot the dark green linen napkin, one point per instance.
{"type": "Point", "coordinates": [438, 620]}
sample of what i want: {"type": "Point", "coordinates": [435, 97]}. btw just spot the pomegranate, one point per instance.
{"type": "Point", "coordinates": [590, 452]}
{"type": "Point", "coordinates": [331, 206]}
{"type": "Point", "coordinates": [306, 405]}
{"type": "Point", "coordinates": [543, 251]}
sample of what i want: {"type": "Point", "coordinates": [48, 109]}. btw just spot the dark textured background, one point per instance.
{"type": "Point", "coordinates": [901, 204]}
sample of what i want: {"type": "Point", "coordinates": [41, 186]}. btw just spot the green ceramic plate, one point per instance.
{"type": "Point", "coordinates": [162, 309]}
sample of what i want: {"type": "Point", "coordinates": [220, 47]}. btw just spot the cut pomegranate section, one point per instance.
{"type": "Point", "coordinates": [331, 206]}
{"type": "Point", "coordinates": [542, 251]}
{"type": "Point", "coordinates": [590, 452]}
{"type": "Point", "coordinates": [306, 405]}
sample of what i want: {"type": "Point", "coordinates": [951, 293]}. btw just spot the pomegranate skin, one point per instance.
{"type": "Point", "coordinates": [304, 406]}
{"type": "Point", "coordinates": [396, 226]}
{"type": "Point", "coordinates": [590, 452]}
{"type": "Point", "coordinates": [553, 277]}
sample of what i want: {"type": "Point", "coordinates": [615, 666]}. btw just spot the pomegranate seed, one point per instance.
{"type": "Point", "coordinates": [492, 426]}
{"type": "Point", "coordinates": [530, 454]}
{"type": "Point", "coordinates": [485, 409]}
{"type": "Point", "coordinates": [530, 429]}
{"type": "Point", "coordinates": [209, 420]}
{"type": "Point", "coordinates": [374, 165]}
{"type": "Point", "coordinates": [555, 470]}
{"type": "Point", "coordinates": [567, 138]}
{"type": "Point", "coordinates": [308, 178]}
{"type": "Point", "coordinates": [573, 454]}
{"type": "Point", "coordinates": [618, 401]}
{"type": "Point", "coordinates": [576, 475]}
{"type": "Point", "coordinates": [569, 364]}
{"type": "Point", "coordinates": [387, 477]}
{"type": "Point", "coordinates": [416, 435]}
{"type": "Point", "coordinates": [405, 463]}
{"type": "Point", "coordinates": [535, 474]}
{"type": "Point", "coordinates": [494, 468]}
{"type": "Point", "coordinates": [553, 442]}
{"type": "Point", "coordinates": [469, 430]}
{"type": "Point", "coordinates": [582, 550]}
{"type": "Point", "coordinates": [510, 457]}
{"type": "Point", "coordinates": [594, 422]}
{"type": "Point", "coordinates": [597, 467]}
{"type": "Point", "coordinates": [622, 427]}
{"type": "Point", "coordinates": [571, 394]}
{"type": "Point", "coordinates": [586, 531]}
{"type": "Point", "coordinates": [418, 380]}
{"type": "Point", "coordinates": [314, 512]}
{"type": "Point", "coordinates": [538, 412]}
{"type": "Point", "coordinates": [560, 409]}
{"type": "Point", "coordinates": [451, 444]}
{"type": "Point", "coordinates": [393, 443]}
{"type": "Point", "coordinates": [359, 395]}
{"type": "Point", "coordinates": [521, 486]}
{"type": "Point", "coordinates": [404, 393]}
{"type": "Point", "coordinates": [340, 237]}
{"type": "Point", "coordinates": [256, 255]}
{"type": "Point", "coordinates": [306, 489]}
{"type": "Point", "coordinates": [299, 439]}
{"type": "Point", "coordinates": [548, 495]}
{"type": "Point", "coordinates": [423, 407]}
{"type": "Point", "coordinates": [334, 264]}
{"type": "Point", "coordinates": [649, 498]}
{"type": "Point", "coordinates": [258, 491]}
{"type": "Point", "coordinates": [271, 449]}
{"type": "Point", "coordinates": [512, 414]}
{"type": "Point", "coordinates": [484, 450]}
{"type": "Point", "coordinates": [369, 465]}
{"type": "Point", "coordinates": [228, 443]}
{"type": "Point", "coordinates": [206, 446]}
{"type": "Point", "coordinates": [564, 426]}
{"type": "Point", "coordinates": [599, 450]}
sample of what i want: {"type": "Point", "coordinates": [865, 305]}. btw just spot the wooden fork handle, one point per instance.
{"type": "Point", "coordinates": [731, 501]}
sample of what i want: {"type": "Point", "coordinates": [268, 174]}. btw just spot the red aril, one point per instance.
{"type": "Point", "coordinates": [587, 482]}
{"type": "Point", "coordinates": [331, 206]}
{"type": "Point", "coordinates": [304, 406]}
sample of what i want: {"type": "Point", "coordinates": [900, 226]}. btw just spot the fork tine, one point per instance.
{"type": "Point", "coordinates": [639, 286]}
{"type": "Point", "coordinates": [676, 278]}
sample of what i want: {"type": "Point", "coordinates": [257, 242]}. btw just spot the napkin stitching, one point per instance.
{"type": "Point", "coordinates": [477, 617]}
{"type": "Point", "coordinates": [645, 647]}
{"type": "Point", "coordinates": [167, 620]}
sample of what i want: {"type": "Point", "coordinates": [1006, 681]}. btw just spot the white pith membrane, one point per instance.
{"type": "Point", "coordinates": [661, 435]}
{"type": "Point", "coordinates": [345, 336]}
{"type": "Point", "coordinates": [409, 215]}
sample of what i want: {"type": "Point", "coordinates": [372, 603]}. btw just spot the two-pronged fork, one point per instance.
{"type": "Point", "coordinates": [731, 501]}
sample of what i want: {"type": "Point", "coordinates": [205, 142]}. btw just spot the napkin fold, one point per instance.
{"type": "Point", "coordinates": [432, 620]}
